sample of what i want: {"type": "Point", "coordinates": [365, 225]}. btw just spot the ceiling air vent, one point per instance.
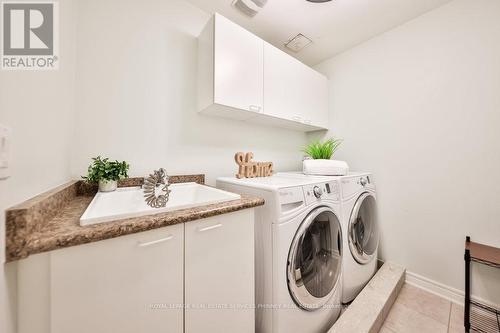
{"type": "Point", "coordinates": [297, 43]}
{"type": "Point", "coordinates": [249, 7]}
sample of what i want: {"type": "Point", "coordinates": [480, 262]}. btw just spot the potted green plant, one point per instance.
{"type": "Point", "coordinates": [319, 158]}
{"type": "Point", "coordinates": [106, 173]}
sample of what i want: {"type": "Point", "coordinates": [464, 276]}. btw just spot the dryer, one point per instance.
{"type": "Point", "coordinates": [361, 232]}
{"type": "Point", "coordinates": [299, 251]}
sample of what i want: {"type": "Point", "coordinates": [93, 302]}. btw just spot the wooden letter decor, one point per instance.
{"type": "Point", "coordinates": [250, 169]}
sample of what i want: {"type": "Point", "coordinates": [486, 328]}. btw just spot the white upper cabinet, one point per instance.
{"type": "Point", "coordinates": [230, 67]}
{"type": "Point", "coordinates": [313, 96]}
{"type": "Point", "coordinates": [238, 62]}
{"type": "Point", "coordinates": [292, 90]}
{"type": "Point", "coordinates": [281, 84]}
{"type": "Point", "coordinates": [242, 77]}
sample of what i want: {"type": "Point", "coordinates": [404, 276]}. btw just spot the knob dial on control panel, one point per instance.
{"type": "Point", "coordinates": [318, 192]}
{"type": "Point", "coordinates": [362, 181]}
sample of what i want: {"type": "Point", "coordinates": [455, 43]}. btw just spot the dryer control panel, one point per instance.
{"type": "Point", "coordinates": [352, 185]}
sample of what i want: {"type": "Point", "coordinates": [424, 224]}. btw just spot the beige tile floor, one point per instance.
{"type": "Point", "coordinates": [418, 311]}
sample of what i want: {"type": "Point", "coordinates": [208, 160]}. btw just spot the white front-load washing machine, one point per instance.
{"type": "Point", "coordinates": [299, 250]}
{"type": "Point", "coordinates": [359, 227]}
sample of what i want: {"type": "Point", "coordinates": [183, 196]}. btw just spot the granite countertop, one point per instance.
{"type": "Point", "coordinates": [51, 220]}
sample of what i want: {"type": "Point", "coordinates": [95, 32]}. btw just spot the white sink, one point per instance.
{"type": "Point", "coordinates": [129, 202]}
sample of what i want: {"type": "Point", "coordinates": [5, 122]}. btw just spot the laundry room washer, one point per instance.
{"type": "Point", "coordinates": [299, 251]}
{"type": "Point", "coordinates": [361, 232]}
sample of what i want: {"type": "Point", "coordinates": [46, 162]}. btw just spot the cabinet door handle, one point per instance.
{"type": "Point", "coordinates": [215, 226]}
{"type": "Point", "coordinates": [161, 240]}
{"type": "Point", "coordinates": [254, 108]}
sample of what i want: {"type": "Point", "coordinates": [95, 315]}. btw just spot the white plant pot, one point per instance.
{"type": "Point", "coordinates": [107, 185]}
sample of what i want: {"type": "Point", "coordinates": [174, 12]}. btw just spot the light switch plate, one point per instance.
{"type": "Point", "coordinates": [4, 152]}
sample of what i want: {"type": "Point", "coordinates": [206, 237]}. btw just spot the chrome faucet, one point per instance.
{"type": "Point", "coordinates": [155, 195]}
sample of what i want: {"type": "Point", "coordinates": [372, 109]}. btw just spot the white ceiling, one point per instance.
{"type": "Point", "coordinates": [333, 26]}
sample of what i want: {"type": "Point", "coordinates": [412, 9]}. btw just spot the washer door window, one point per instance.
{"type": "Point", "coordinates": [315, 259]}
{"type": "Point", "coordinates": [363, 229]}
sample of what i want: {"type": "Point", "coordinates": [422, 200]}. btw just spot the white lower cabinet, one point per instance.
{"type": "Point", "coordinates": [127, 284]}
{"type": "Point", "coordinates": [219, 274]}
{"type": "Point", "coordinates": [192, 277]}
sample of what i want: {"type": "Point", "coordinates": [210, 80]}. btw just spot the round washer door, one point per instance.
{"type": "Point", "coordinates": [315, 259]}
{"type": "Point", "coordinates": [363, 230]}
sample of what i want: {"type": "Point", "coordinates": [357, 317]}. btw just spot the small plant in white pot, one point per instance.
{"type": "Point", "coordinates": [319, 159]}
{"type": "Point", "coordinates": [106, 173]}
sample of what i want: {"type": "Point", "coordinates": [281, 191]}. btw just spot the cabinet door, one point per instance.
{"type": "Point", "coordinates": [282, 84]}
{"type": "Point", "coordinates": [314, 97]}
{"type": "Point", "coordinates": [219, 274]}
{"type": "Point", "coordinates": [128, 284]}
{"type": "Point", "coordinates": [238, 66]}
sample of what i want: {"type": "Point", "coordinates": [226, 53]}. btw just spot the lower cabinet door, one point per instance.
{"type": "Point", "coordinates": [219, 274]}
{"type": "Point", "coordinates": [128, 284]}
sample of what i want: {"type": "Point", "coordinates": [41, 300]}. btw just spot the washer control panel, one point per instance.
{"type": "Point", "coordinates": [316, 192]}
{"type": "Point", "coordinates": [363, 181]}
{"type": "Point", "coordinates": [291, 195]}
{"type": "Point", "coordinates": [332, 188]}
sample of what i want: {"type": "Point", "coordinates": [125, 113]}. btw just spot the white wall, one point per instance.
{"type": "Point", "coordinates": [136, 95]}
{"type": "Point", "coordinates": [419, 106]}
{"type": "Point", "coordinates": [38, 107]}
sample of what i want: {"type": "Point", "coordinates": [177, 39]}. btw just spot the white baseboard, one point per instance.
{"type": "Point", "coordinates": [452, 294]}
